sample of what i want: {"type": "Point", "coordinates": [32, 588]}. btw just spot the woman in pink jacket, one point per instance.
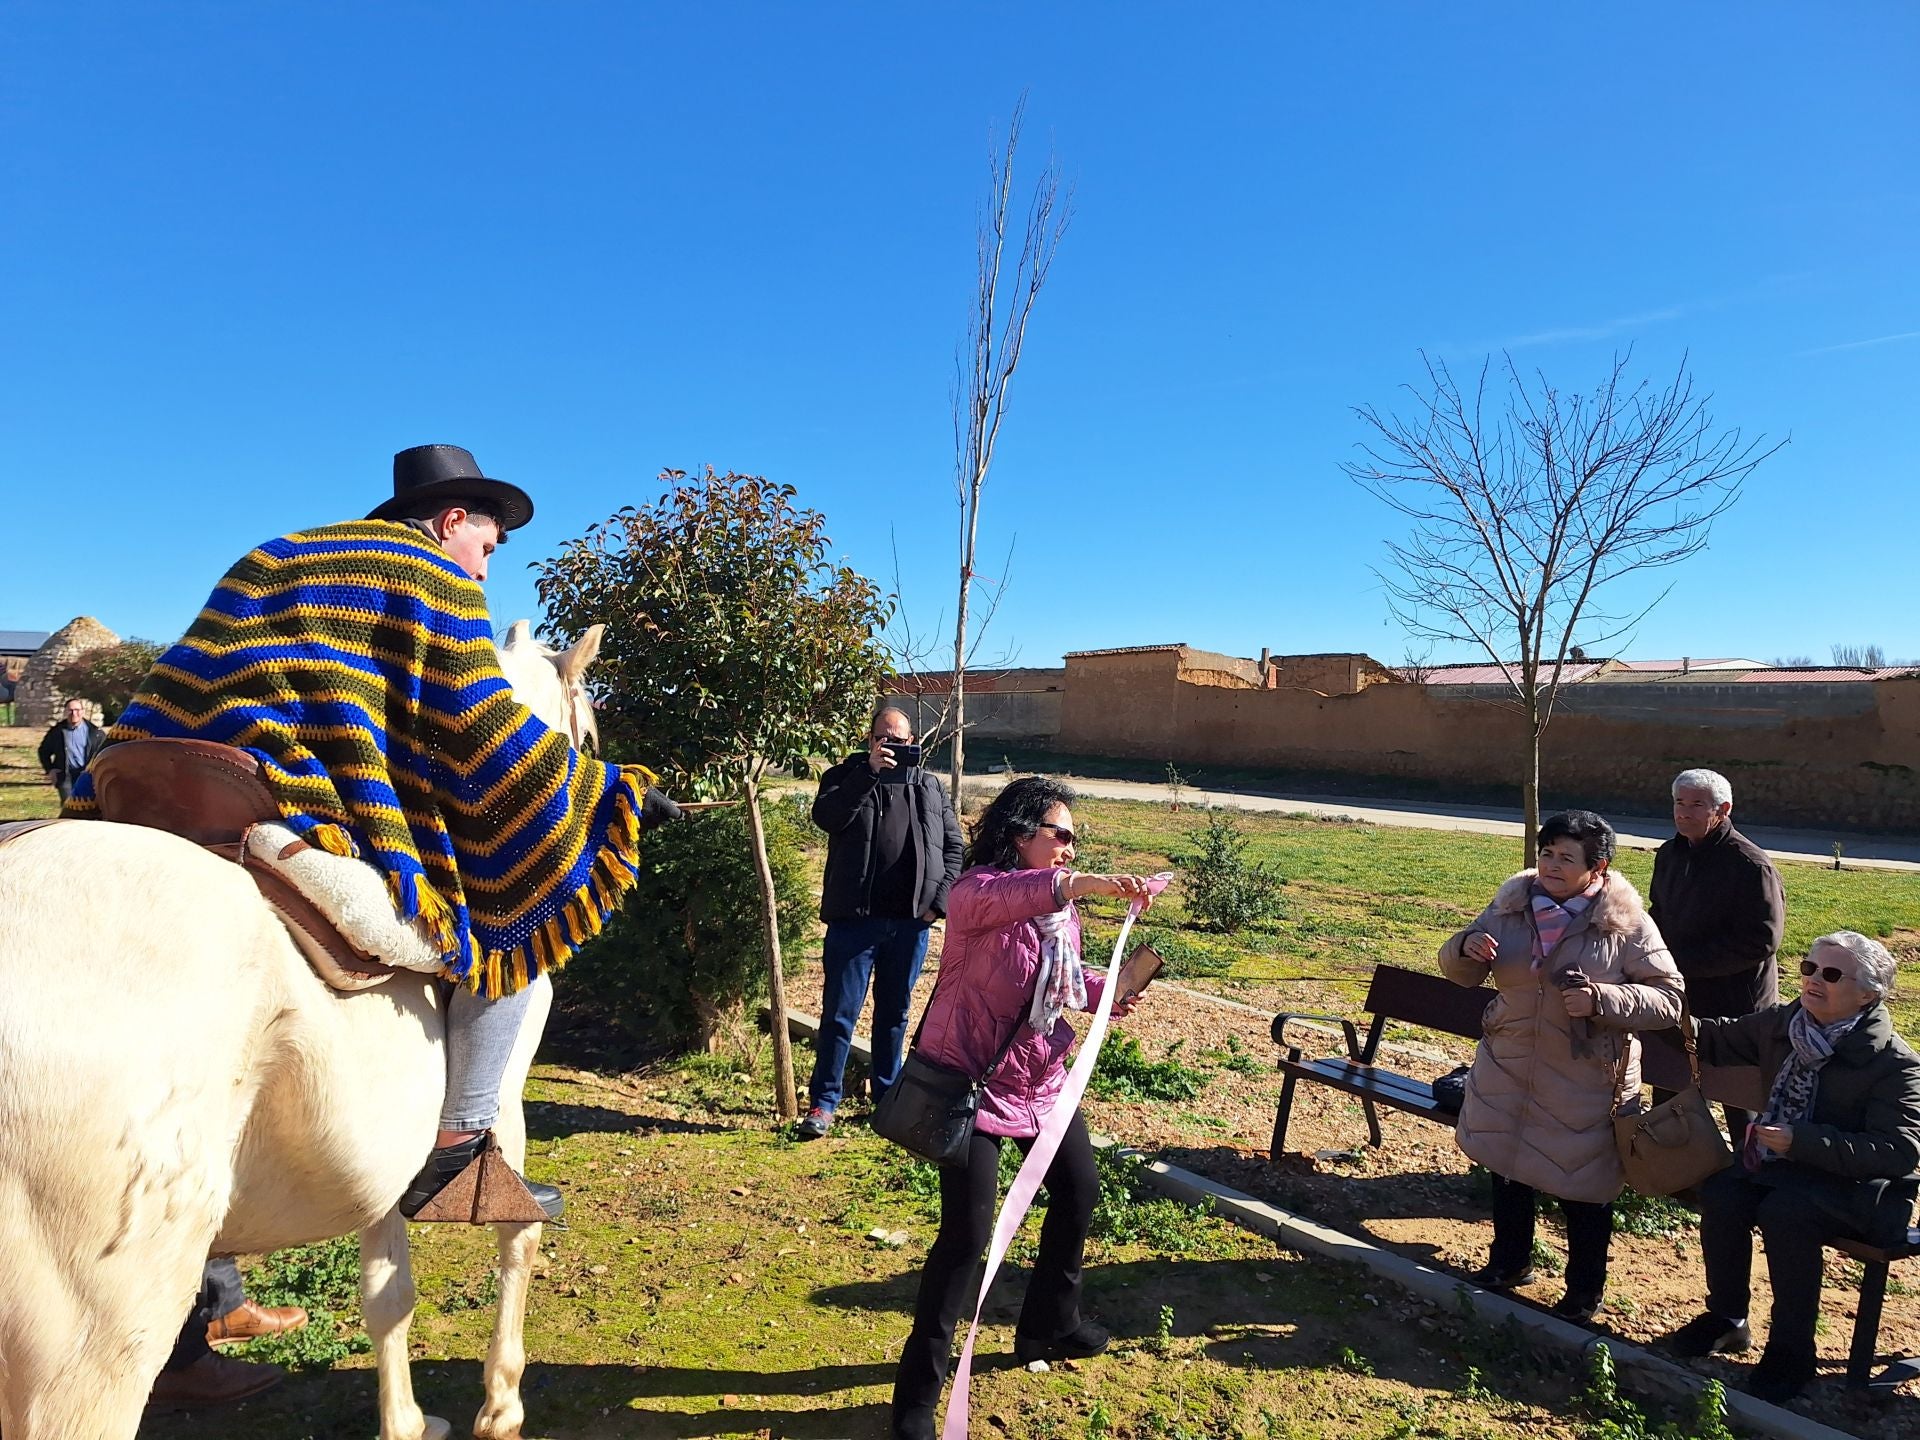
{"type": "Point", "coordinates": [1009, 966]}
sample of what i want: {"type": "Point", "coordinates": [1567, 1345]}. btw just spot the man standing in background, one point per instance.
{"type": "Point", "coordinates": [893, 849]}
{"type": "Point", "coordinates": [1716, 898]}
{"type": "Point", "coordinates": [69, 747]}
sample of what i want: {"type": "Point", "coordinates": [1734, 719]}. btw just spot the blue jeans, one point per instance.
{"type": "Point", "coordinates": [889, 953]}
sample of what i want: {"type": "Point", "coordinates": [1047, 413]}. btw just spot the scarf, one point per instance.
{"type": "Point", "coordinates": [1551, 918]}
{"type": "Point", "coordinates": [355, 662]}
{"type": "Point", "coordinates": [1791, 1099]}
{"type": "Point", "coordinates": [1062, 982]}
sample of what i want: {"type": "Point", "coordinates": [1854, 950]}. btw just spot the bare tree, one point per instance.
{"type": "Point", "coordinates": [985, 365]}
{"type": "Point", "coordinates": [1527, 504]}
{"type": "Point", "coordinates": [1866, 657]}
{"type": "Point", "coordinates": [918, 667]}
{"type": "Point", "coordinates": [1792, 662]}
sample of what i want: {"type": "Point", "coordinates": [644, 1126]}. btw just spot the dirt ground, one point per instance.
{"type": "Point", "coordinates": [1414, 1193]}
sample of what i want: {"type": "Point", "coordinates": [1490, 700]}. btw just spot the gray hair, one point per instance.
{"type": "Point", "coordinates": [1711, 781]}
{"type": "Point", "coordinates": [1872, 958]}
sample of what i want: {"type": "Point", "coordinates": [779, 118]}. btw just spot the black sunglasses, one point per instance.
{"type": "Point", "coordinates": [1832, 974]}
{"type": "Point", "coordinates": [1060, 833]}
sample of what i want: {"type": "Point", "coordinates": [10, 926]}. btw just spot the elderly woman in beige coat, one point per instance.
{"type": "Point", "coordinates": [1579, 966]}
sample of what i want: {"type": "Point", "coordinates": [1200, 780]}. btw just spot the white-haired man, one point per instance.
{"type": "Point", "coordinates": [1716, 898]}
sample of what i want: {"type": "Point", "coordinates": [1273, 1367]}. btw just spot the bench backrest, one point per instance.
{"type": "Point", "coordinates": [1414, 997]}
{"type": "Point", "coordinates": [1432, 1001]}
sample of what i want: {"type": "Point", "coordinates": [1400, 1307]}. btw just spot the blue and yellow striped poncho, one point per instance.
{"type": "Point", "coordinates": [356, 662]}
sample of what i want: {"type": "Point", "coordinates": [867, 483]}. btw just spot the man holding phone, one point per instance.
{"type": "Point", "coordinates": [893, 849]}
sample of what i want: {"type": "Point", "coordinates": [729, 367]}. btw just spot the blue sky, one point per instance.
{"type": "Point", "coordinates": [248, 251]}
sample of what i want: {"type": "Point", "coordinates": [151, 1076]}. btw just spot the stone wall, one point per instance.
{"type": "Point", "coordinates": [1832, 756]}
{"type": "Point", "coordinates": [36, 701]}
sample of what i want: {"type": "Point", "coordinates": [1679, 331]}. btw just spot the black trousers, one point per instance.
{"type": "Point", "coordinates": [1589, 1233]}
{"type": "Point", "coordinates": [1797, 1210]}
{"type": "Point", "coordinates": [952, 1275]}
{"type": "Point", "coordinates": [220, 1294]}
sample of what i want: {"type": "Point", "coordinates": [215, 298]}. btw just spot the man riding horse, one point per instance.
{"type": "Point", "coordinates": [355, 663]}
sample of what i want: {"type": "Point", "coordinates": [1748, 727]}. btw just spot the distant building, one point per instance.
{"type": "Point", "coordinates": [16, 648]}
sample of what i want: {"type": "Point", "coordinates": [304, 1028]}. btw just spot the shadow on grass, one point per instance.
{"type": "Point", "coordinates": [564, 1402]}
{"type": "Point", "coordinates": [557, 1119]}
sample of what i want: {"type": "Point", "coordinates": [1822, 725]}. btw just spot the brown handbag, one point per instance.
{"type": "Point", "coordinates": [1677, 1143]}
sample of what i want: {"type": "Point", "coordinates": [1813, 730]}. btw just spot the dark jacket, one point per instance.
{"type": "Point", "coordinates": [1719, 906]}
{"type": "Point", "coordinates": [848, 809]}
{"type": "Point", "coordinates": [53, 748]}
{"type": "Point", "coordinates": [1865, 1121]}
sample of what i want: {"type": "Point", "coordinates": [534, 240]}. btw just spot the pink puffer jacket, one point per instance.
{"type": "Point", "coordinates": [987, 967]}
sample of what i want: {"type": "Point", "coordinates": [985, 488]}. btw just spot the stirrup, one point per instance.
{"type": "Point", "coordinates": [488, 1191]}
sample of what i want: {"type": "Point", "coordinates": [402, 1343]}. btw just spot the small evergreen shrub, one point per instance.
{"type": "Point", "coordinates": [1224, 889]}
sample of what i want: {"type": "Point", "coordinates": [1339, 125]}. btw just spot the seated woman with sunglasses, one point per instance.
{"type": "Point", "coordinates": [1832, 1155]}
{"type": "Point", "coordinates": [1010, 964]}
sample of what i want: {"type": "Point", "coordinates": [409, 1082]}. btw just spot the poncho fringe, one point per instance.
{"type": "Point", "coordinates": [356, 663]}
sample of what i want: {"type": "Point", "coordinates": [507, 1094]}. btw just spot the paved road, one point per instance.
{"type": "Point", "coordinates": [1859, 852]}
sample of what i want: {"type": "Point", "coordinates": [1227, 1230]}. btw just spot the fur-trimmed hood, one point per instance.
{"type": "Point", "coordinates": [1617, 909]}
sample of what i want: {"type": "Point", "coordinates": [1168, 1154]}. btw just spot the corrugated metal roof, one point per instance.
{"type": "Point", "coordinates": [1691, 664]}
{"type": "Point", "coordinates": [1494, 675]}
{"type": "Point", "coordinates": [22, 642]}
{"type": "Point", "coordinates": [1825, 674]}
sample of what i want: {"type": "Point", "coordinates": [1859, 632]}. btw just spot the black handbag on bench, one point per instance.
{"type": "Point", "coordinates": [929, 1110]}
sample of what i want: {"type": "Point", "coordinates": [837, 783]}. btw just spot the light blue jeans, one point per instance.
{"type": "Point", "coordinates": [480, 1037]}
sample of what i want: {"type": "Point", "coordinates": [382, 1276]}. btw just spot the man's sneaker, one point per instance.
{"type": "Point", "coordinates": [1708, 1334]}
{"type": "Point", "coordinates": [815, 1124]}
{"type": "Point", "coordinates": [1501, 1277]}
{"type": "Point", "coordinates": [1083, 1340]}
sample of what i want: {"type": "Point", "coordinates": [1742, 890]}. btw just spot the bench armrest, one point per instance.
{"type": "Point", "coordinates": [1280, 1026]}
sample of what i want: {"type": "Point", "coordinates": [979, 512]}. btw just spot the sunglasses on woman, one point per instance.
{"type": "Point", "coordinates": [1060, 833]}
{"type": "Point", "coordinates": [1832, 974]}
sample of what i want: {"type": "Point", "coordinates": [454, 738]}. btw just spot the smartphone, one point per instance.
{"type": "Point", "coordinates": [1137, 972]}
{"type": "Point", "coordinates": [906, 758]}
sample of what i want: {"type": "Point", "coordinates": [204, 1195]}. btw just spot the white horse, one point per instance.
{"type": "Point", "coordinates": [175, 1081]}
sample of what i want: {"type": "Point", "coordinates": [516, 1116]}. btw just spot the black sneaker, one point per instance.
{"type": "Point", "coordinates": [1708, 1334]}
{"type": "Point", "coordinates": [1083, 1340]}
{"type": "Point", "coordinates": [1497, 1277]}
{"type": "Point", "coordinates": [1577, 1308]}
{"type": "Point", "coordinates": [814, 1124]}
{"type": "Point", "coordinates": [1777, 1380]}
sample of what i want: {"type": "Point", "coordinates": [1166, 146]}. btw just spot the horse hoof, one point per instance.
{"type": "Point", "coordinates": [499, 1425]}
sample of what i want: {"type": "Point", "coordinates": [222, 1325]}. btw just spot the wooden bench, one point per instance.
{"type": "Point", "coordinates": [1434, 1002]}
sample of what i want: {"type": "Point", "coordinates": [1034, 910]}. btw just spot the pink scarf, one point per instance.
{"type": "Point", "coordinates": [1551, 918]}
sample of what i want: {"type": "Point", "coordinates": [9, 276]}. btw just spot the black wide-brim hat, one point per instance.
{"type": "Point", "coordinates": [446, 474]}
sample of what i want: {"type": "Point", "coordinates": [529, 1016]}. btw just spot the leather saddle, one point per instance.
{"type": "Point", "coordinates": [212, 794]}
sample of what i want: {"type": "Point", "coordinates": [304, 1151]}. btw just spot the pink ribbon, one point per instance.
{"type": "Point", "coordinates": [1034, 1168]}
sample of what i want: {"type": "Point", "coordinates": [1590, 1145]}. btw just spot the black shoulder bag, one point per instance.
{"type": "Point", "coordinates": [929, 1110]}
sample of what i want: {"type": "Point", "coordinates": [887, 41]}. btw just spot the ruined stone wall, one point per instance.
{"type": "Point", "coordinates": [1835, 756]}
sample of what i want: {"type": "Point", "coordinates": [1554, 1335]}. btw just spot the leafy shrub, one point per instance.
{"type": "Point", "coordinates": [1224, 889]}
{"type": "Point", "coordinates": [683, 956]}
{"type": "Point", "coordinates": [1123, 1072]}
{"type": "Point", "coordinates": [325, 1280]}
{"type": "Point", "coordinates": [1127, 1213]}
{"type": "Point", "coordinates": [109, 675]}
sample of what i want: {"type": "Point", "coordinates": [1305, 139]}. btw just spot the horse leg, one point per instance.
{"type": "Point", "coordinates": [386, 1297]}
{"type": "Point", "coordinates": [502, 1415]}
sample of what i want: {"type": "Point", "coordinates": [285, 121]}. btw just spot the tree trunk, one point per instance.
{"type": "Point", "coordinates": [785, 1100]}
{"type": "Point", "coordinates": [958, 766]}
{"type": "Point", "coordinates": [1532, 791]}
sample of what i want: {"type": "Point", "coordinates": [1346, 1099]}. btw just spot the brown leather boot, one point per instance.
{"type": "Point", "coordinates": [212, 1380]}
{"type": "Point", "coordinates": [250, 1321]}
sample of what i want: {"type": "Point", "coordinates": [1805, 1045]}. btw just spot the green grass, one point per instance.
{"type": "Point", "coordinates": [24, 792]}
{"type": "Point", "coordinates": [1358, 895]}
{"type": "Point", "coordinates": [717, 1280]}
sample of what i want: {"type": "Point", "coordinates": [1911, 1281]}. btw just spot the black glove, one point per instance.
{"type": "Point", "coordinates": [656, 809]}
